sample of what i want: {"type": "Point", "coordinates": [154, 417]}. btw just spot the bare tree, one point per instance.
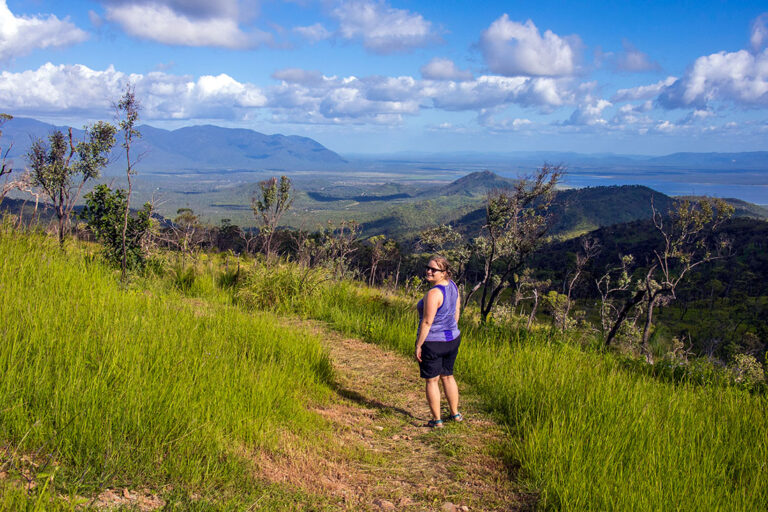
{"type": "Point", "coordinates": [529, 288]}
{"type": "Point", "coordinates": [516, 222]}
{"type": "Point", "coordinates": [589, 249]}
{"type": "Point", "coordinates": [269, 204]}
{"type": "Point", "coordinates": [615, 280]}
{"type": "Point", "coordinates": [5, 166]}
{"type": "Point", "coordinates": [127, 115]}
{"type": "Point", "coordinates": [62, 167]}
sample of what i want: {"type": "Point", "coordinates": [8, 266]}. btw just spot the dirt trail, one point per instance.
{"type": "Point", "coordinates": [383, 457]}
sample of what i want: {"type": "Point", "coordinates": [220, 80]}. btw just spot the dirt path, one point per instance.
{"type": "Point", "coordinates": [383, 457]}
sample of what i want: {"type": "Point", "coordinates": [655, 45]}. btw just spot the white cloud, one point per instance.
{"type": "Point", "coordinates": [20, 35]}
{"type": "Point", "coordinates": [737, 77]}
{"type": "Point", "coordinates": [381, 28]}
{"type": "Point", "coordinates": [77, 89]}
{"type": "Point", "coordinates": [759, 34]}
{"type": "Point", "coordinates": [487, 118]}
{"type": "Point", "coordinates": [511, 48]}
{"type": "Point", "coordinates": [589, 113]}
{"type": "Point", "coordinates": [633, 60]}
{"type": "Point", "coordinates": [313, 33]}
{"type": "Point", "coordinates": [164, 24]}
{"type": "Point", "coordinates": [298, 96]}
{"type": "Point", "coordinates": [195, 9]}
{"type": "Point", "coordinates": [491, 90]}
{"type": "Point", "coordinates": [643, 92]}
{"type": "Point", "coordinates": [444, 69]}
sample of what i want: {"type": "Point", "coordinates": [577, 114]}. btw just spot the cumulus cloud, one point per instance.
{"type": "Point", "coordinates": [444, 69]}
{"type": "Point", "coordinates": [381, 28]}
{"type": "Point", "coordinates": [738, 77]}
{"type": "Point", "coordinates": [491, 91]}
{"type": "Point", "coordinates": [77, 89]}
{"type": "Point", "coordinates": [643, 92]}
{"type": "Point", "coordinates": [20, 35]}
{"type": "Point", "coordinates": [192, 23]}
{"type": "Point", "coordinates": [298, 96]}
{"type": "Point", "coordinates": [759, 33]}
{"type": "Point", "coordinates": [589, 113]}
{"type": "Point", "coordinates": [487, 118]}
{"type": "Point", "coordinates": [511, 48]}
{"type": "Point", "coordinates": [313, 33]}
{"type": "Point", "coordinates": [633, 60]}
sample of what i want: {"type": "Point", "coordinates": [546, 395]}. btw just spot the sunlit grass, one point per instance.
{"type": "Point", "coordinates": [142, 387]}
{"type": "Point", "coordinates": [589, 432]}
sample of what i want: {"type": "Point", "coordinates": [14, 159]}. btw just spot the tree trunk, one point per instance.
{"type": "Point", "coordinates": [631, 303]}
{"type": "Point", "coordinates": [647, 327]}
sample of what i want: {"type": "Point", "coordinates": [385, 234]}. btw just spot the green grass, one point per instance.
{"type": "Point", "coordinates": [171, 383]}
{"type": "Point", "coordinates": [588, 431]}
{"type": "Point", "coordinates": [142, 387]}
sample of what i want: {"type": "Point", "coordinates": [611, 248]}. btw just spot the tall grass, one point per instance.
{"type": "Point", "coordinates": [141, 387]}
{"type": "Point", "coordinates": [587, 432]}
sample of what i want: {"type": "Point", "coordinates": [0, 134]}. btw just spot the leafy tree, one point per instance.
{"type": "Point", "coordinates": [382, 249]}
{"type": "Point", "coordinates": [339, 244]}
{"type": "Point", "coordinates": [450, 243]}
{"type": "Point", "coordinates": [127, 113]}
{"type": "Point", "coordinates": [186, 230]}
{"type": "Point", "coordinates": [61, 167]}
{"type": "Point", "coordinates": [269, 204]}
{"type": "Point", "coordinates": [688, 241]}
{"type": "Point", "coordinates": [104, 214]}
{"type": "Point", "coordinates": [516, 223]}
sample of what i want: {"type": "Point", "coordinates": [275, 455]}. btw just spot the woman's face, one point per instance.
{"type": "Point", "coordinates": [433, 272]}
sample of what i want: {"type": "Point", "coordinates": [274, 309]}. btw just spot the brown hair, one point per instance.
{"type": "Point", "coordinates": [442, 262]}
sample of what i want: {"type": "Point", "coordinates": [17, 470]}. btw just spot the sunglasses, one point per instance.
{"type": "Point", "coordinates": [433, 269]}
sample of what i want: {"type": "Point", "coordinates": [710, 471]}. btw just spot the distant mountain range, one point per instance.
{"type": "Point", "coordinates": [197, 148]}
{"type": "Point", "coordinates": [755, 160]}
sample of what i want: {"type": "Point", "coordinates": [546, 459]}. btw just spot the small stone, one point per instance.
{"type": "Point", "coordinates": [379, 427]}
{"type": "Point", "coordinates": [464, 508]}
{"type": "Point", "coordinates": [395, 437]}
{"type": "Point", "coordinates": [384, 504]}
{"type": "Point", "coordinates": [449, 507]}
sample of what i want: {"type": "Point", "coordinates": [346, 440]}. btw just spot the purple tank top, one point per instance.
{"type": "Point", "coordinates": [444, 327]}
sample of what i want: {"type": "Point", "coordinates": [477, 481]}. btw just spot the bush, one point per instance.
{"type": "Point", "coordinates": [278, 287]}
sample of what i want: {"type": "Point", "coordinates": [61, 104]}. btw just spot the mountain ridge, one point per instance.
{"type": "Point", "coordinates": [200, 147]}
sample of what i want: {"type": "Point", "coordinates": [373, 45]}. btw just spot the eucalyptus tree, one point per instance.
{"type": "Point", "coordinates": [517, 221]}
{"type": "Point", "coordinates": [127, 115]}
{"type": "Point", "coordinates": [61, 166]}
{"type": "Point", "coordinates": [269, 203]}
{"type": "Point", "coordinates": [688, 241]}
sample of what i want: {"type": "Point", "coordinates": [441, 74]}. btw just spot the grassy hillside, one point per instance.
{"type": "Point", "coordinates": [104, 387]}
{"type": "Point", "coordinates": [587, 431]}
{"type": "Point", "coordinates": [147, 386]}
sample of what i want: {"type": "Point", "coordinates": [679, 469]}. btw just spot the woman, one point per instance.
{"type": "Point", "coordinates": [437, 342]}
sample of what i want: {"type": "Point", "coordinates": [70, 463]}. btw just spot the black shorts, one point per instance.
{"type": "Point", "coordinates": [437, 358]}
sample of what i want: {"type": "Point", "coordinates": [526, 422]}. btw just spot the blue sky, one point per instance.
{"type": "Point", "coordinates": [369, 76]}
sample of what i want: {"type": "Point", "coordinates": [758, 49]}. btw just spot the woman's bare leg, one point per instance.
{"type": "Point", "coordinates": [433, 397]}
{"type": "Point", "coordinates": [451, 393]}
